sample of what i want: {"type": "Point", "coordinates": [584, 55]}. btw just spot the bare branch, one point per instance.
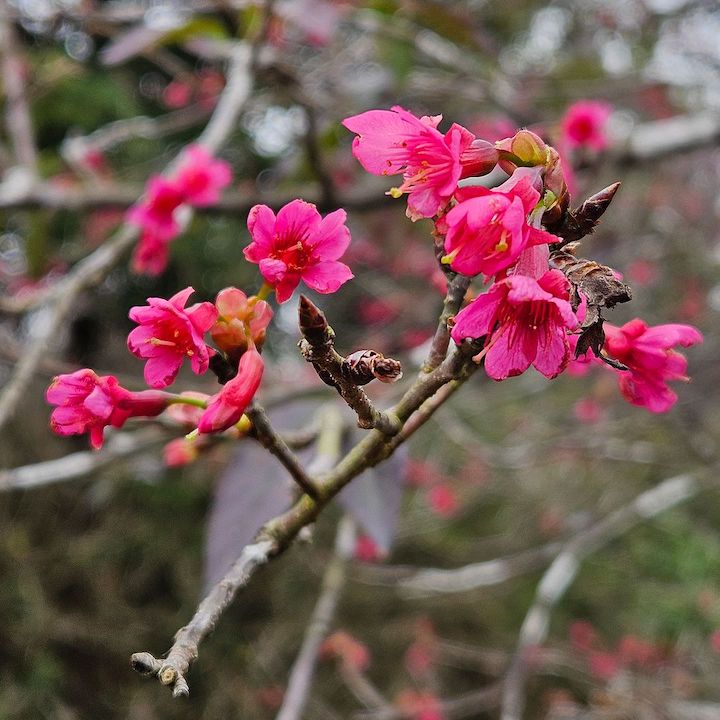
{"type": "Point", "coordinates": [274, 443]}
{"type": "Point", "coordinates": [17, 116]}
{"type": "Point", "coordinates": [456, 289]}
{"type": "Point", "coordinates": [560, 575]}
{"type": "Point", "coordinates": [172, 670]}
{"type": "Point", "coordinates": [318, 348]}
{"type": "Point", "coordinates": [80, 464]}
{"type": "Point", "coordinates": [303, 669]}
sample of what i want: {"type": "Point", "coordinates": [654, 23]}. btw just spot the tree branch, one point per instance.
{"type": "Point", "coordinates": [333, 581]}
{"type": "Point", "coordinates": [265, 434]}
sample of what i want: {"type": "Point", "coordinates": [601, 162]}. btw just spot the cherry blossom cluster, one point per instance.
{"type": "Point", "coordinates": [297, 244]}
{"type": "Point", "coordinates": [530, 310]}
{"type": "Point", "coordinates": [526, 316]}
{"type": "Point", "coordinates": [197, 182]}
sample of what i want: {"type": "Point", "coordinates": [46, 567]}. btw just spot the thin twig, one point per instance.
{"type": "Point", "coordinates": [274, 443]}
{"type": "Point", "coordinates": [559, 576]}
{"type": "Point", "coordinates": [318, 348]}
{"type": "Point", "coordinates": [435, 581]}
{"type": "Point", "coordinates": [456, 288]}
{"type": "Point", "coordinates": [303, 670]}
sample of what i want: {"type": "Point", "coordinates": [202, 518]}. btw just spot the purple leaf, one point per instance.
{"type": "Point", "coordinates": [253, 488]}
{"type": "Point", "coordinates": [374, 498]}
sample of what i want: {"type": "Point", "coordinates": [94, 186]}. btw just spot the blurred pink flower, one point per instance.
{"type": "Point", "coordinates": [651, 360]}
{"type": "Point", "coordinates": [200, 178]}
{"type": "Point", "coordinates": [443, 500]}
{"type": "Point", "coordinates": [150, 256]}
{"type": "Point", "coordinates": [298, 245]}
{"type": "Point", "coordinates": [155, 213]}
{"type": "Point", "coordinates": [168, 333]}
{"type": "Point", "coordinates": [583, 124]}
{"type": "Point", "coordinates": [532, 318]}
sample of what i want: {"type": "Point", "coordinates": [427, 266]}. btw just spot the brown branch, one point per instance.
{"type": "Point", "coordinates": [303, 669]}
{"type": "Point", "coordinates": [318, 348]}
{"type": "Point", "coordinates": [278, 534]}
{"type": "Point", "coordinates": [265, 434]}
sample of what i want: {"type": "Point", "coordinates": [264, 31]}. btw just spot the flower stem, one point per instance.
{"type": "Point", "coordinates": [185, 400]}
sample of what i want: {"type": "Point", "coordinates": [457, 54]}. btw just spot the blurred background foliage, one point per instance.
{"type": "Point", "coordinates": [99, 567]}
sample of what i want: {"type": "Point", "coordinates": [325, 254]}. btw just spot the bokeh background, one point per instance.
{"type": "Point", "coordinates": [99, 566]}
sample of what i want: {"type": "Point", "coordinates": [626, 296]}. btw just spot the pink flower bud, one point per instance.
{"type": "Point", "coordinates": [239, 317]}
{"type": "Point", "coordinates": [228, 406]}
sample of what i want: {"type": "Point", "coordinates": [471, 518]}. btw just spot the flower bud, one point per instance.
{"type": "Point", "coordinates": [228, 406]}
{"type": "Point", "coordinates": [240, 319]}
{"type": "Point", "coordinates": [524, 149]}
{"type": "Point", "coordinates": [479, 159]}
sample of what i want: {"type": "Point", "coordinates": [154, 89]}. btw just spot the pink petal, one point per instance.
{"type": "Point", "coordinates": [328, 276]}
{"type": "Point", "coordinates": [507, 356]}
{"type": "Point", "coordinates": [179, 300]}
{"type": "Point", "coordinates": [202, 315]}
{"type": "Point", "coordinates": [161, 370]}
{"type": "Point", "coordinates": [285, 288]}
{"type": "Point", "coordinates": [553, 353]}
{"type": "Point", "coordinates": [332, 238]}
{"type": "Point", "coordinates": [672, 334]}
{"type": "Point", "coordinates": [297, 220]}
{"type": "Point", "coordinates": [378, 146]}
{"type": "Point", "coordinates": [479, 317]}
{"type": "Point", "coordinates": [261, 225]}
{"type": "Point", "coordinates": [273, 270]}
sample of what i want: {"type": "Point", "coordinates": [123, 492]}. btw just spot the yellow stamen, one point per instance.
{"type": "Point", "coordinates": [394, 193]}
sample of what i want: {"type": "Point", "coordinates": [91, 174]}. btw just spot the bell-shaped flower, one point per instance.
{"type": "Point", "coordinates": [168, 333]}
{"type": "Point", "coordinates": [524, 321]}
{"type": "Point", "coordinates": [227, 407]}
{"type": "Point", "coordinates": [241, 322]}
{"type": "Point", "coordinates": [200, 177]}
{"type": "Point", "coordinates": [298, 245]}
{"type": "Point", "coordinates": [651, 360]}
{"type": "Point", "coordinates": [488, 229]}
{"type": "Point", "coordinates": [88, 403]}
{"type": "Point", "coordinates": [390, 142]}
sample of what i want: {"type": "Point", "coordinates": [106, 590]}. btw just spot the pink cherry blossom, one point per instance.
{"type": "Point", "coordinates": [169, 332]}
{"type": "Point", "coordinates": [155, 213]}
{"type": "Point", "coordinates": [200, 177]}
{"type": "Point", "coordinates": [228, 406]}
{"type": "Point", "coordinates": [651, 360]}
{"type": "Point", "coordinates": [298, 245]}
{"type": "Point", "coordinates": [488, 229]}
{"type": "Point", "coordinates": [390, 142]}
{"type": "Point", "coordinates": [583, 125]}
{"type": "Point", "coordinates": [532, 317]}
{"type": "Point", "coordinates": [88, 403]}
{"type": "Point", "coordinates": [151, 254]}
{"type": "Point", "coordinates": [180, 452]}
